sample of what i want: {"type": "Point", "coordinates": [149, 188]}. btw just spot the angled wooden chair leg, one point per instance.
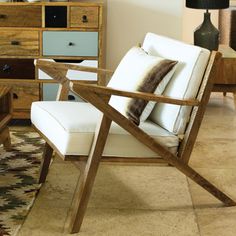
{"type": "Point", "coordinates": [85, 184]}
{"type": "Point", "coordinates": [204, 183]}
{"type": "Point", "coordinates": [47, 156]}
{"type": "Point", "coordinates": [158, 148]}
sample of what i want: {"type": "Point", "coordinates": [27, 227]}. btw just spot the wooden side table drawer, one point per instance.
{"type": "Point", "coordinates": [85, 17]}
{"type": "Point", "coordinates": [19, 43]}
{"type": "Point", "coordinates": [20, 16]}
{"type": "Point", "coordinates": [17, 68]}
{"type": "Point", "coordinates": [64, 43]}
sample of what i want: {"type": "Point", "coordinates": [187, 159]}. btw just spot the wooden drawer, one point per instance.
{"type": "Point", "coordinates": [56, 16]}
{"type": "Point", "coordinates": [85, 17]}
{"type": "Point", "coordinates": [17, 68]}
{"type": "Point", "coordinates": [24, 94]}
{"type": "Point", "coordinates": [20, 16]}
{"type": "Point", "coordinates": [73, 43]}
{"type": "Point", "coordinates": [19, 43]}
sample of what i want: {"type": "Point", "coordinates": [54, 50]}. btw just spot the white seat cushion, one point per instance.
{"type": "Point", "coordinates": [70, 127]}
{"type": "Point", "coordinates": [184, 83]}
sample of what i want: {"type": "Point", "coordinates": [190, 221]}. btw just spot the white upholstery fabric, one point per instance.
{"type": "Point", "coordinates": [70, 127]}
{"type": "Point", "coordinates": [130, 73]}
{"type": "Point", "coordinates": [184, 83]}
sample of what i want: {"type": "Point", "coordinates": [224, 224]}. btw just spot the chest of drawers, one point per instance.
{"type": "Point", "coordinates": [68, 31]}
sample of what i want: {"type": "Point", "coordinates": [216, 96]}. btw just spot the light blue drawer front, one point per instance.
{"type": "Point", "coordinates": [66, 43]}
{"type": "Point", "coordinates": [50, 93]}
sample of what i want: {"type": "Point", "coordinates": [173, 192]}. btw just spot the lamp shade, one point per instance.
{"type": "Point", "coordinates": [207, 4]}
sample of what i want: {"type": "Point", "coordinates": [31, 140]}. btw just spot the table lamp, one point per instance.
{"type": "Point", "coordinates": [207, 35]}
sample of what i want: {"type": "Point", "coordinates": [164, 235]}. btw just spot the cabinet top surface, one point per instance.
{"type": "Point", "coordinates": [227, 51]}
{"type": "Point", "coordinates": [74, 2]}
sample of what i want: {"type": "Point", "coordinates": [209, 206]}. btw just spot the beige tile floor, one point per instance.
{"type": "Point", "coordinates": [150, 200]}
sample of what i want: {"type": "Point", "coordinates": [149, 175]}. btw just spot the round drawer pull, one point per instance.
{"type": "Point", "coordinates": [71, 97]}
{"type": "Point", "coordinates": [84, 19]}
{"type": "Point", "coordinates": [15, 96]}
{"type": "Point", "coordinates": [2, 16]}
{"type": "Point", "coordinates": [15, 42]}
{"type": "Point", "coordinates": [71, 44]}
{"type": "Point", "coordinates": [6, 68]}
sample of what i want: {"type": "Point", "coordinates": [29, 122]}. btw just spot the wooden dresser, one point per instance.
{"type": "Point", "coordinates": [67, 31]}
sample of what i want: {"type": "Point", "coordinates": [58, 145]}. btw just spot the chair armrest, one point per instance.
{"type": "Point", "coordinates": [62, 66]}
{"type": "Point", "coordinates": [138, 95]}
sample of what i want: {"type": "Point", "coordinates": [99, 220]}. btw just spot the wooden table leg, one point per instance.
{"type": "Point", "coordinates": [5, 138]}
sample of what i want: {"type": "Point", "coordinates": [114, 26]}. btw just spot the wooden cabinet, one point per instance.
{"type": "Point", "coordinates": [226, 79]}
{"type": "Point", "coordinates": [67, 31]}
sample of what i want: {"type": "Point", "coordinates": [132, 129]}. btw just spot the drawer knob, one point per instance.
{"type": "Point", "coordinates": [84, 19]}
{"type": "Point", "coordinates": [15, 96]}
{"type": "Point", "coordinates": [2, 16]}
{"type": "Point", "coordinates": [15, 42]}
{"type": "Point", "coordinates": [71, 44]}
{"type": "Point", "coordinates": [6, 68]}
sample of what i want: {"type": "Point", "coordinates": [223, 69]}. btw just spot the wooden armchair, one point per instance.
{"type": "Point", "coordinates": [152, 141]}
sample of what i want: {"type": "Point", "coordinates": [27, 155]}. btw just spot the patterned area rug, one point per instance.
{"type": "Point", "coordinates": [19, 169]}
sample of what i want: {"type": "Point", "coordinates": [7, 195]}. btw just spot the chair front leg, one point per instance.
{"type": "Point", "coordinates": [87, 178]}
{"type": "Point", "coordinates": [47, 156]}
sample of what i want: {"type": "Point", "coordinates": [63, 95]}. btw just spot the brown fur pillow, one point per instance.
{"type": "Point", "coordinates": [153, 78]}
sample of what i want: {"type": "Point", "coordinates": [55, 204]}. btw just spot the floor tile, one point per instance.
{"type": "Point", "coordinates": [140, 187]}
{"type": "Point", "coordinates": [219, 221]}
{"type": "Point", "coordinates": [107, 222]}
{"type": "Point", "coordinates": [214, 153]}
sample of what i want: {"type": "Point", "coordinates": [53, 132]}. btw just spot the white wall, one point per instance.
{"type": "Point", "coordinates": [129, 20]}
{"type": "Point", "coordinates": [192, 18]}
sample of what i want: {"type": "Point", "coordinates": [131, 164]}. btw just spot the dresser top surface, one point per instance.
{"type": "Point", "coordinates": [74, 2]}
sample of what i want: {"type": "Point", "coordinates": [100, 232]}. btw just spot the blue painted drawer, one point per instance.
{"type": "Point", "coordinates": [64, 43]}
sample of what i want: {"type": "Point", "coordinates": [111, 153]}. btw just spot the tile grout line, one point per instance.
{"type": "Point", "coordinates": [194, 209]}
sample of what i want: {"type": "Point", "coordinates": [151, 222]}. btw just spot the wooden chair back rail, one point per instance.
{"type": "Point", "coordinates": [58, 72]}
{"type": "Point", "coordinates": [60, 66]}
{"type": "Point", "coordinates": [197, 114]}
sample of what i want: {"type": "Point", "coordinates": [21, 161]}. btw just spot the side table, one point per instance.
{"type": "Point", "coordinates": [226, 80]}
{"type": "Point", "coordinates": [5, 115]}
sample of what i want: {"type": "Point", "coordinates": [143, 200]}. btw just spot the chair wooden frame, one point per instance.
{"type": "Point", "coordinates": [99, 97]}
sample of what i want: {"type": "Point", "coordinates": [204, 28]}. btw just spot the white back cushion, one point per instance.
{"type": "Point", "coordinates": [185, 82]}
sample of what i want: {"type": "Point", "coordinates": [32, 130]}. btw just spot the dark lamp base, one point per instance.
{"type": "Point", "coordinates": [207, 35]}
